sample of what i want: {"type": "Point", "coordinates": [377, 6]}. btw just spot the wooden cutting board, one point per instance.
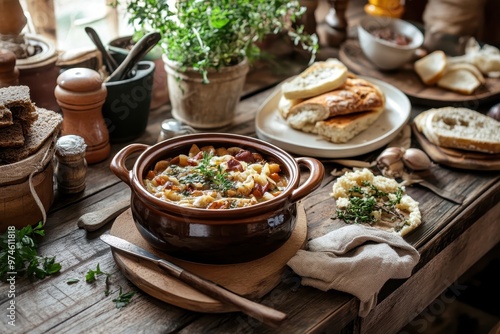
{"type": "Point", "coordinates": [457, 158]}
{"type": "Point", "coordinates": [250, 279]}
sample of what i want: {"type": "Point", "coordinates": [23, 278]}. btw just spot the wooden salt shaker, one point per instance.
{"type": "Point", "coordinates": [81, 93]}
{"type": "Point", "coordinates": [9, 73]}
{"type": "Point", "coordinates": [71, 168]}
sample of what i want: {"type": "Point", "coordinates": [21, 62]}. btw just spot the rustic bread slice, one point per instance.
{"type": "Point", "coordinates": [459, 80]}
{"type": "Point", "coordinates": [354, 96]}
{"type": "Point", "coordinates": [460, 128]}
{"type": "Point", "coordinates": [12, 136]}
{"type": "Point", "coordinates": [341, 129]}
{"type": "Point", "coordinates": [17, 99]}
{"type": "Point", "coordinates": [320, 77]}
{"type": "Point", "coordinates": [5, 117]}
{"type": "Point", "coordinates": [431, 67]}
{"type": "Point", "coordinates": [469, 67]}
{"type": "Point", "coordinates": [48, 123]}
{"type": "Point", "coordinates": [285, 105]}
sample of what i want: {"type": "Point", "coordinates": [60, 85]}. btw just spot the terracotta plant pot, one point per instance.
{"type": "Point", "coordinates": [205, 106]}
{"type": "Point", "coordinates": [215, 236]}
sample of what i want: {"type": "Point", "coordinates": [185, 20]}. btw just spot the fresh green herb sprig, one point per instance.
{"type": "Point", "coordinates": [123, 299]}
{"type": "Point", "coordinates": [362, 204]}
{"type": "Point", "coordinates": [19, 254]}
{"type": "Point", "coordinates": [213, 176]}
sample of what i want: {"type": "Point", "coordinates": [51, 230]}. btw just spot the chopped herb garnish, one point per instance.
{"type": "Point", "coordinates": [364, 201]}
{"type": "Point", "coordinates": [123, 299]}
{"type": "Point", "coordinates": [72, 281]}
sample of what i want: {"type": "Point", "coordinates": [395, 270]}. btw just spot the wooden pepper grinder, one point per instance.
{"type": "Point", "coordinates": [9, 73]}
{"type": "Point", "coordinates": [81, 93]}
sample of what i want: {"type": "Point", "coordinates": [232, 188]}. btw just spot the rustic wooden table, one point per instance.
{"type": "Point", "coordinates": [452, 238]}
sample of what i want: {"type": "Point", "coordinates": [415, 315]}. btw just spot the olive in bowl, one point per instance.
{"type": "Point", "coordinates": [215, 198]}
{"type": "Point", "coordinates": [388, 43]}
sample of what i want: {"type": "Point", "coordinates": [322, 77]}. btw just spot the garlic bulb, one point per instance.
{"type": "Point", "coordinates": [390, 163]}
{"type": "Point", "coordinates": [416, 159]}
{"type": "Point", "coordinates": [390, 156]}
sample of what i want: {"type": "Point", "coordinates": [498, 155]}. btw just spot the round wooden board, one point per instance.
{"type": "Point", "coordinates": [457, 158]}
{"type": "Point", "coordinates": [407, 80]}
{"type": "Point", "coordinates": [250, 279]}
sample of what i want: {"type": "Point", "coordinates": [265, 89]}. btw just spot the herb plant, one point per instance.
{"type": "Point", "coordinates": [204, 35]}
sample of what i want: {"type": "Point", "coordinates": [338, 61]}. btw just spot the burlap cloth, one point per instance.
{"type": "Point", "coordinates": [355, 259]}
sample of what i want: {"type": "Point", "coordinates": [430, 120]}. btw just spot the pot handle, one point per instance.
{"type": "Point", "coordinates": [117, 165]}
{"type": "Point", "coordinates": [316, 174]}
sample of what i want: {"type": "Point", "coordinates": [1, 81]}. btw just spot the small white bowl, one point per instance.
{"type": "Point", "coordinates": [384, 54]}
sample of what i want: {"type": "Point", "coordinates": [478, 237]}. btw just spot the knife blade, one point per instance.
{"type": "Point", "coordinates": [258, 311]}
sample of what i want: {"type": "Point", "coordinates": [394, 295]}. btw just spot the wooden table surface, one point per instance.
{"type": "Point", "coordinates": [452, 238]}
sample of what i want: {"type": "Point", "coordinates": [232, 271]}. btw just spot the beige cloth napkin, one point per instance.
{"type": "Point", "coordinates": [355, 259]}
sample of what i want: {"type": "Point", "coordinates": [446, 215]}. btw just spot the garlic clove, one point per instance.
{"type": "Point", "coordinates": [390, 155]}
{"type": "Point", "coordinates": [416, 159]}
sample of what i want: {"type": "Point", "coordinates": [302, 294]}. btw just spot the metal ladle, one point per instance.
{"type": "Point", "coordinates": [172, 128]}
{"type": "Point", "coordinates": [140, 49]}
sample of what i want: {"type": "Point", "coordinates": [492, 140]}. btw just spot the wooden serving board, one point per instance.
{"type": "Point", "coordinates": [457, 158]}
{"type": "Point", "coordinates": [250, 279]}
{"type": "Point", "coordinates": [407, 80]}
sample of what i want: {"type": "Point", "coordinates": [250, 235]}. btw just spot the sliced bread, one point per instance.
{"type": "Point", "coordinates": [460, 128]}
{"type": "Point", "coordinates": [354, 96]}
{"type": "Point", "coordinates": [285, 105]}
{"type": "Point", "coordinates": [341, 129]}
{"type": "Point", "coordinates": [320, 77]}
{"type": "Point", "coordinates": [48, 123]}
{"type": "Point", "coordinates": [460, 80]}
{"type": "Point", "coordinates": [5, 117]}
{"type": "Point", "coordinates": [12, 136]}
{"type": "Point", "coordinates": [17, 99]}
{"type": "Point", "coordinates": [431, 67]}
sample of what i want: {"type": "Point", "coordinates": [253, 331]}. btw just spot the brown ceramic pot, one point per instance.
{"type": "Point", "coordinates": [215, 236]}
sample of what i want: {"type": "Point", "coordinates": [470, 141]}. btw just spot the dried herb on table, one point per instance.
{"type": "Point", "coordinates": [123, 299]}
{"type": "Point", "coordinates": [19, 254]}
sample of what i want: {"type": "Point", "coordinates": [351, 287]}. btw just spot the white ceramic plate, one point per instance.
{"type": "Point", "coordinates": [271, 127]}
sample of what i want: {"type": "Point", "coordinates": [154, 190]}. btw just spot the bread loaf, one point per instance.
{"type": "Point", "coordinates": [285, 105]}
{"type": "Point", "coordinates": [341, 129]}
{"type": "Point", "coordinates": [460, 128]}
{"type": "Point", "coordinates": [354, 96]}
{"type": "Point", "coordinates": [431, 67]}
{"type": "Point", "coordinates": [318, 78]}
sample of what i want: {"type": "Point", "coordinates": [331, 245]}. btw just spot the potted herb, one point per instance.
{"type": "Point", "coordinates": [208, 46]}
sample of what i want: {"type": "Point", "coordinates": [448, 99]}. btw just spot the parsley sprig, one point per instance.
{"type": "Point", "coordinates": [211, 175]}
{"type": "Point", "coordinates": [19, 254]}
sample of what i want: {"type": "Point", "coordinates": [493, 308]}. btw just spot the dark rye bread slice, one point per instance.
{"type": "Point", "coordinates": [17, 99]}
{"type": "Point", "coordinates": [12, 136]}
{"type": "Point", "coordinates": [5, 117]}
{"type": "Point", "coordinates": [47, 124]}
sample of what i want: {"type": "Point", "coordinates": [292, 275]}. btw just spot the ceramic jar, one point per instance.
{"type": "Point", "coordinates": [81, 93]}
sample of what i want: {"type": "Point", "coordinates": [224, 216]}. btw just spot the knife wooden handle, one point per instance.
{"type": "Point", "coordinates": [258, 311]}
{"type": "Point", "coordinates": [94, 220]}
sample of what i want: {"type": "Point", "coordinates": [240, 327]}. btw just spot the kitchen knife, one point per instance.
{"type": "Point", "coordinates": [258, 311]}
